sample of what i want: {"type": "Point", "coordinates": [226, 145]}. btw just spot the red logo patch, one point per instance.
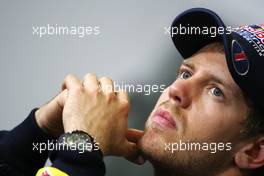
{"type": "Point", "coordinates": [240, 56]}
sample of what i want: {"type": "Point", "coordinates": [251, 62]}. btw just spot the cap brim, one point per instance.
{"type": "Point", "coordinates": [188, 41]}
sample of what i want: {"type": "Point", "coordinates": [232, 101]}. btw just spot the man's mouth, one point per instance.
{"type": "Point", "coordinates": [164, 119]}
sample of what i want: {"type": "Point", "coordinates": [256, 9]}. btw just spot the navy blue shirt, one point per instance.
{"type": "Point", "coordinates": [19, 157]}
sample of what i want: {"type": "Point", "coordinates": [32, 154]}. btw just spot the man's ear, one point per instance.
{"type": "Point", "coordinates": [251, 156]}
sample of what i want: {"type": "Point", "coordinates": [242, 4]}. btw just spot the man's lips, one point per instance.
{"type": "Point", "coordinates": [164, 119]}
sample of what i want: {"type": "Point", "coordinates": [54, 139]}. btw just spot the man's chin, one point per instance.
{"type": "Point", "coordinates": [153, 147]}
{"type": "Point", "coordinates": [152, 144]}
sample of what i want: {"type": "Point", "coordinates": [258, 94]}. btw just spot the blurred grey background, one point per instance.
{"type": "Point", "coordinates": [131, 48]}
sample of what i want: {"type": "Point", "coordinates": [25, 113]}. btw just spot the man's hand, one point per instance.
{"type": "Point", "coordinates": [93, 106]}
{"type": "Point", "coordinates": [49, 116]}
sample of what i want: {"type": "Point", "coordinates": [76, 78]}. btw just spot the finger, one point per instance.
{"type": "Point", "coordinates": [90, 82]}
{"type": "Point", "coordinates": [71, 82]}
{"type": "Point", "coordinates": [58, 101]}
{"type": "Point", "coordinates": [123, 96]}
{"type": "Point", "coordinates": [124, 105]}
{"type": "Point", "coordinates": [61, 98]}
{"type": "Point", "coordinates": [107, 85]}
{"type": "Point", "coordinates": [129, 149]}
{"type": "Point", "coordinates": [131, 153]}
{"type": "Point", "coordinates": [133, 135]}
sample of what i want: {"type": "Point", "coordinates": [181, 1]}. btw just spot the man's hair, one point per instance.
{"type": "Point", "coordinates": [254, 123]}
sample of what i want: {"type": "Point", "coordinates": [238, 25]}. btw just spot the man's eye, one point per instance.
{"type": "Point", "coordinates": [217, 92]}
{"type": "Point", "coordinates": [185, 75]}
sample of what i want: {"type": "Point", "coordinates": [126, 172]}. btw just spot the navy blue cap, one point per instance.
{"type": "Point", "coordinates": [244, 47]}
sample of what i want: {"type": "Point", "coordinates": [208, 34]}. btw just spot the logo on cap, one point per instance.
{"type": "Point", "coordinates": [239, 58]}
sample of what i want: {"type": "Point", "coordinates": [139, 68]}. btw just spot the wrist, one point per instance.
{"type": "Point", "coordinates": [76, 147]}
{"type": "Point", "coordinates": [72, 127]}
{"type": "Point", "coordinates": [73, 124]}
{"type": "Point", "coordinates": [78, 142]}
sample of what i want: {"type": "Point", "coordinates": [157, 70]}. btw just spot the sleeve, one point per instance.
{"type": "Point", "coordinates": [20, 148]}
{"type": "Point", "coordinates": [75, 163]}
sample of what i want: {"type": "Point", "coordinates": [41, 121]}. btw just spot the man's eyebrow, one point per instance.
{"type": "Point", "coordinates": [212, 77]}
{"type": "Point", "coordinates": [221, 81]}
{"type": "Point", "coordinates": [187, 64]}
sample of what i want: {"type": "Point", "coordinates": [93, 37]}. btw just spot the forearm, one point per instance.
{"type": "Point", "coordinates": [17, 146]}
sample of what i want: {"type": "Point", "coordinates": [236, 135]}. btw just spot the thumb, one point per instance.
{"type": "Point", "coordinates": [61, 98]}
{"type": "Point", "coordinates": [129, 149]}
{"type": "Point", "coordinates": [132, 154]}
{"type": "Point", "coordinates": [133, 135]}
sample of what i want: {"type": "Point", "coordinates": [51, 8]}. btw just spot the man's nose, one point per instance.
{"type": "Point", "coordinates": [180, 93]}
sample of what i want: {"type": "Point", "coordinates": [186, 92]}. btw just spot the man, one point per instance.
{"type": "Point", "coordinates": [216, 99]}
{"type": "Point", "coordinates": [213, 109]}
{"type": "Point", "coordinates": [206, 109]}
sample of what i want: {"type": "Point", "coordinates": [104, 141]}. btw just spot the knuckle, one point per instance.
{"type": "Point", "coordinates": [102, 78]}
{"type": "Point", "coordinates": [69, 77]}
{"type": "Point", "coordinates": [78, 90]}
{"type": "Point", "coordinates": [95, 92]}
{"type": "Point", "coordinates": [87, 75]}
{"type": "Point", "coordinates": [94, 89]}
{"type": "Point", "coordinates": [125, 94]}
{"type": "Point", "coordinates": [110, 96]}
{"type": "Point", "coordinates": [124, 106]}
{"type": "Point", "coordinates": [106, 79]}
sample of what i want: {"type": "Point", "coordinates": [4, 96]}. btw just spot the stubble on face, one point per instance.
{"type": "Point", "coordinates": [183, 163]}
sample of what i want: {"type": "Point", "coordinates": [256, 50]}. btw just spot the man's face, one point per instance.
{"type": "Point", "coordinates": [203, 105]}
